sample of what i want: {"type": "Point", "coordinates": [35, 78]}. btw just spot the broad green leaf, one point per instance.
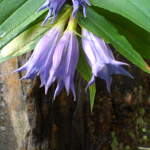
{"type": "Point", "coordinates": [7, 8]}
{"type": "Point", "coordinates": [85, 70]}
{"type": "Point", "coordinates": [135, 10]}
{"type": "Point", "coordinates": [15, 16]}
{"type": "Point", "coordinates": [136, 36]}
{"type": "Point", "coordinates": [23, 43]}
{"type": "Point", "coordinates": [105, 29]}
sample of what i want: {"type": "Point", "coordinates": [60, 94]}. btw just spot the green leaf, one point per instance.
{"type": "Point", "coordinates": [108, 31]}
{"type": "Point", "coordinates": [92, 89]}
{"type": "Point", "coordinates": [83, 65]}
{"type": "Point", "coordinates": [136, 36]}
{"type": "Point", "coordinates": [15, 16]}
{"type": "Point", "coordinates": [7, 8]}
{"type": "Point", "coordinates": [135, 10]}
{"type": "Point", "coordinates": [25, 42]}
{"type": "Point", "coordinates": [85, 70]}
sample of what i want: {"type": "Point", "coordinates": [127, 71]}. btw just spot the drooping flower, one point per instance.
{"type": "Point", "coordinates": [42, 54]}
{"type": "Point", "coordinates": [101, 59]}
{"type": "Point", "coordinates": [76, 4]}
{"type": "Point", "coordinates": [54, 6]}
{"type": "Point", "coordinates": [64, 63]}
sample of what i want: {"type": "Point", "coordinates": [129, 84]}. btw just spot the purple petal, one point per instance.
{"type": "Point", "coordinates": [116, 69]}
{"type": "Point", "coordinates": [54, 6]}
{"type": "Point", "coordinates": [84, 8]}
{"type": "Point", "coordinates": [23, 68]}
{"type": "Point", "coordinates": [59, 87]}
{"type": "Point", "coordinates": [104, 75]}
{"type": "Point", "coordinates": [87, 2]}
{"type": "Point", "coordinates": [75, 8]}
{"type": "Point", "coordinates": [76, 4]}
{"type": "Point", "coordinates": [57, 4]}
{"type": "Point", "coordinates": [47, 17]}
{"type": "Point", "coordinates": [49, 82]}
{"type": "Point", "coordinates": [67, 83]}
{"type": "Point", "coordinates": [45, 5]}
{"type": "Point", "coordinates": [73, 90]}
{"type": "Point", "coordinates": [90, 83]}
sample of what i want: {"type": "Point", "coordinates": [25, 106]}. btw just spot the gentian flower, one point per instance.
{"type": "Point", "coordinates": [64, 63]}
{"type": "Point", "coordinates": [76, 4]}
{"type": "Point", "coordinates": [54, 6]}
{"type": "Point", "coordinates": [42, 54]}
{"type": "Point", "coordinates": [101, 59]}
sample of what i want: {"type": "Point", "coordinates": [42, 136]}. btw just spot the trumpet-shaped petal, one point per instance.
{"type": "Point", "coordinates": [54, 6]}
{"type": "Point", "coordinates": [101, 59]}
{"type": "Point", "coordinates": [64, 63]}
{"type": "Point", "coordinates": [76, 4]}
{"type": "Point", "coordinates": [42, 55]}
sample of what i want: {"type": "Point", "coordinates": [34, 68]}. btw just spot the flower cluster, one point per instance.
{"type": "Point", "coordinates": [76, 4]}
{"type": "Point", "coordinates": [55, 58]}
{"type": "Point", "coordinates": [101, 59]}
{"type": "Point", "coordinates": [55, 5]}
{"type": "Point", "coordinates": [56, 55]}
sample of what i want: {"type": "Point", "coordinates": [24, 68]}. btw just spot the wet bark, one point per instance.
{"type": "Point", "coordinates": [34, 121]}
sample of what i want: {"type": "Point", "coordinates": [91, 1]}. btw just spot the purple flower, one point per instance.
{"type": "Point", "coordinates": [64, 63]}
{"type": "Point", "coordinates": [101, 59]}
{"type": "Point", "coordinates": [54, 6]}
{"type": "Point", "coordinates": [42, 55]}
{"type": "Point", "coordinates": [76, 4]}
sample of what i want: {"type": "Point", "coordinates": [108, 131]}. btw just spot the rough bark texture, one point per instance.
{"type": "Point", "coordinates": [31, 120]}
